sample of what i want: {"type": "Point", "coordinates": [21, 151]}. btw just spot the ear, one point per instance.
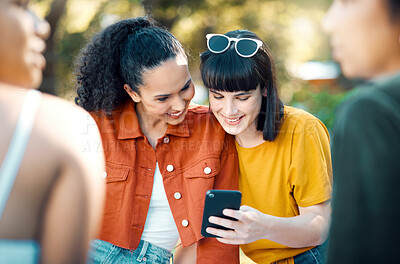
{"type": "Point", "coordinates": [264, 91]}
{"type": "Point", "coordinates": [134, 95]}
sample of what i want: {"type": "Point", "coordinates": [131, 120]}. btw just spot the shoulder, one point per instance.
{"type": "Point", "coordinates": [297, 114]}
{"type": "Point", "coordinates": [199, 109]}
{"type": "Point", "coordinates": [367, 105]}
{"type": "Point", "coordinates": [66, 127]}
{"type": "Point", "coordinates": [203, 123]}
{"type": "Point", "coordinates": [199, 113]}
{"type": "Point", "coordinates": [369, 113]}
{"type": "Point", "coordinates": [298, 120]}
{"type": "Point", "coordinates": [64, 114]}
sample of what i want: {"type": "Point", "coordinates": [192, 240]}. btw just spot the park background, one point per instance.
{"type": "Point", "coordinates": [308, 78]}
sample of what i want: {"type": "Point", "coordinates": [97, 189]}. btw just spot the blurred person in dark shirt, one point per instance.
{"type": "Point", "coordinates": [366, 136]}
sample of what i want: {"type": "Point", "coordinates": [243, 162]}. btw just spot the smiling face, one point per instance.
{"type": "Point", "coordinates": [364, 38]}
{"type": "Point", "coordinates": [21, 44]}
{"type": "Point", "coordinates": [237, 112]}
{"type": "Point", "coordinates": [166, 93]}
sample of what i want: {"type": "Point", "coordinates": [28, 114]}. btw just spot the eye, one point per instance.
{"type": "Point", "coordinates": [243, 98]}
{"type": "Point", "coordinates": [162, 99]}
{"type": "Point", "coordinates": [185, 88]}
{"type": "Point", "coordinates": [218, 97]}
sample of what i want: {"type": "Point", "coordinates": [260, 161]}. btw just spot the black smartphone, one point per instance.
{"type": "Point", "coordinates": [216, 201]}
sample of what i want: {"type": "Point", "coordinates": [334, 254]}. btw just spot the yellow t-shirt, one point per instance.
{"type": "Point", "coordinates": [277, 177]}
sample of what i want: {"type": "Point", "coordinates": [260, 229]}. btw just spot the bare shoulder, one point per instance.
{"type": "Point", "coordinates": [69, 131]}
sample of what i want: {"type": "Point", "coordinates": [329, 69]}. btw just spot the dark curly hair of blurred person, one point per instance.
{"type": "Point", "coordinates": [119, 55]}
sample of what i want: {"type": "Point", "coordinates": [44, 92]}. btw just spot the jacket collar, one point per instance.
{"type": "Point", "coordinates": [128, 127]}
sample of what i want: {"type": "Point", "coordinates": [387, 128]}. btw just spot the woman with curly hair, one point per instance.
{"type": "Point", "coordinates": [161, 155]}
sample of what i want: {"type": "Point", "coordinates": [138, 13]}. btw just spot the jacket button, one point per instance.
{"type": "Point", "coordinates": [166, 140]}
{"type": "Point", "coordinates": [185, 222]}
{"type": "Point", "coordinates": [207, 170]}
{"type": "Point", "coordinates": [177, 195]}
{"type": "Point", "coordinates": [170, 168]}
{"type": "Point", "coordinates": [105, 175]}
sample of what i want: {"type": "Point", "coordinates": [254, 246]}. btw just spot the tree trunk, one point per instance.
{"type": "Point", "coordinates": [49, 83]}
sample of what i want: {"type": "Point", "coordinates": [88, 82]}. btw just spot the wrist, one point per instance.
{"type": "Point", "coordinates": [266, 223]}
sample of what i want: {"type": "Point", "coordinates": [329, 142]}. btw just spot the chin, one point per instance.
{"type": "Point", "coordinates": [234, 131]}
{"type": "Point", "coordinates": [357, 71]}
{"type": "Point", "coordinates": [175, 122]}
{"type": "Point", "coordinates": [35, 80]}
{"type": "Point", "coordinates": [349, 71]}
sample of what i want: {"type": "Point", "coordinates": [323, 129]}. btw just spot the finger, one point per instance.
{"type": "Point", "coordinates": [245, 208]}
{"type": "Point", "coordinates": [230, 241]}
{"type": "Point", "coordinates": [222, 222]}
{"type": "Point", "coordinates": [218, 232]}
{"type": "Point", "coordinates": [234, 214]}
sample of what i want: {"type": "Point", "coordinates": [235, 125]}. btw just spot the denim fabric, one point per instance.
{"type": "Point", "coordinates": [102, 252]}
{"type": "Point", "coordinates": [315, 255]}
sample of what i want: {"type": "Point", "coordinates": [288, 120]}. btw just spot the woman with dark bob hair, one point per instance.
{"type": "Point", "coordinates": [366, 136]}
{"type": "Point", "coordinates": [161, 155]}
{"type": "Point", "coordinates": [284, 156]}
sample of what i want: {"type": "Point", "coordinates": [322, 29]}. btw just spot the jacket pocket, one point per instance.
{"type": "Point", "coordinates": [116, 182]}
{"type": "Point", "coordinates": [200, 178]}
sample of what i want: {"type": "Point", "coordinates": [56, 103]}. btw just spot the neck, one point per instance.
{"type": "Point", "coordinates": [389, 67]}
{"type": "Point", "coordinates": [387, 74]}
{"type": "Point", "coordinates": [152, 128]}
{"type": "Point", "coordinates": [249, 138]}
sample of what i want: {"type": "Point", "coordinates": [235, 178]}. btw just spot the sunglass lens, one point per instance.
{"type": "Point", "coordinates": [218, 43]}
{"type": "Point", "coordinates": [246, 47]}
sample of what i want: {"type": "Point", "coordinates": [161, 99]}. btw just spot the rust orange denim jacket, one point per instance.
{"type": "Point", "coordinates": [193, 157]}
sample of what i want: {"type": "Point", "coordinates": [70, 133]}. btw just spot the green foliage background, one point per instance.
{"type": "Point", "coordinates": [291, 28]}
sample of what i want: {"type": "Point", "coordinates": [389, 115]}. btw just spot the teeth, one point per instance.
{"type": "Point", "coordinates": [177, 114]}
{"type": "Point", "coordinates": [233, 120]}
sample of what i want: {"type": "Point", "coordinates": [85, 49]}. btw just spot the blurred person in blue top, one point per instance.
{"type": "Point", "coordinates": [51, 184]}
{"type": "Point", "coordinates": [366, 136]}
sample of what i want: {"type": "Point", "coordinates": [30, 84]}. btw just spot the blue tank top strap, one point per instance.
{"type": "Point", "coordinates": [16, 150]}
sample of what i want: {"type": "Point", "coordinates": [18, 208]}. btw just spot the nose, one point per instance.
{"type": "Point", "coordinates": [230, 108]}
{"type": "Point", "coordinates": [327, 21]}
{"type": "Point", "coordinates": [179, 103]}
{"type": "Point", "coordinates": [42, 27]}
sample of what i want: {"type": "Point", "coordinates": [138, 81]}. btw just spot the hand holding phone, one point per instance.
{"type": "Point", "coordinates": [216, 201]}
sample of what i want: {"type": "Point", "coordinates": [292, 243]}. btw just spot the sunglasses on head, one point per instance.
{"type": "Point", "coordinates": [245, 47]}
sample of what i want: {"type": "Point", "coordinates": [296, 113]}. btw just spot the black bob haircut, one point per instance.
{"type": "Point", "coordinates": [230, 72]}
{"type": "Point", "coordinates": [119, 55]}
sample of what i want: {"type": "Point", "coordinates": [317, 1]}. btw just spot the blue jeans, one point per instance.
{"type": "Point", "coordinates": [315, 255]}
{"type": "Point", "coordinates": [102, 252]}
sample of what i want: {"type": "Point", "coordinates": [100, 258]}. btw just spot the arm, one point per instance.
{"type": "Point", "coordinates": [210, 250]}
{"type": "Point", "coordinates": [309, 179]}
{"type": "Point", "coordinates": [74, 204]}
{"type": "Point", "coordinates": [307, 229]}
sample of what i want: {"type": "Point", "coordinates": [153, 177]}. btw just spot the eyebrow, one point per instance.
{"type": "Point", "coordinates": [184, 87]}
{"type": "Point", "coordinates": [239, 94]}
